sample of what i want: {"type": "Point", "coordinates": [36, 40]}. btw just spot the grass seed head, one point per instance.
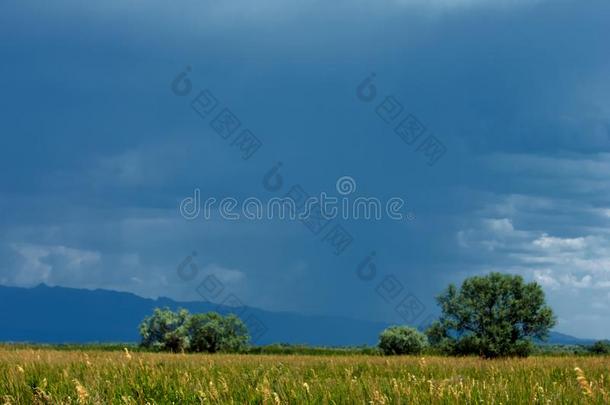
{"type": "Point", "coordinates": [582, 380]}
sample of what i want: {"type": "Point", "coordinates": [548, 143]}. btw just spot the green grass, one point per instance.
{"type": "Point", "coordinates": [35, 375]}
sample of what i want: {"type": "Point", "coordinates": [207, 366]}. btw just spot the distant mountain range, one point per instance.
{"type": "Point", "coordinates": [67, 315]}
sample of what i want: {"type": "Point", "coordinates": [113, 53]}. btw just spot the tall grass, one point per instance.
{"type": "Point", "coordinates": [124, 377]}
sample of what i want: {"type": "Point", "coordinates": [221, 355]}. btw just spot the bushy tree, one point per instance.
{"type": "Point", "coordinates": [205, 331]}
{"type": "Point", "coordinates": [600, 347]}
{"type": "Point", "coordinates": [181, 331]}
{"type": "Point", "coordinates": [402, 340]}
{"type": "Point", "coordinates": [165, 330]}
{"type": "Point", "coordinates": [236, 336]}
{"type": "Point", "coordinates": [212, 333]}
{"type": "Point", "coordinates": [493, 315]}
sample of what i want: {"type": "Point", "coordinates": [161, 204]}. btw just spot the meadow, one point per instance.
{"type": "Point", "coordinates": [49, 376]}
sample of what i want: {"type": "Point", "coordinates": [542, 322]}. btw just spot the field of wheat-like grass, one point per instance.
{"type": "Point", "coordinates": [44, 376]}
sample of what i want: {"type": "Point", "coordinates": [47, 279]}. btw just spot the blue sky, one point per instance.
{"type": "Point", "coordinates": [97, 151]}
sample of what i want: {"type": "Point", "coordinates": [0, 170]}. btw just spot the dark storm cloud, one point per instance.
{"type": "Point", "coordinates": [97, 152]}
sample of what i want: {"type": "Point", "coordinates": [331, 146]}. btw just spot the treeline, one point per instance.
{"type": "Point", "coordinates": [179, 331]}
{"type": "Point", "coordinates": [599, 348]}
{"type": "Point", "coordinates": [497, 315]}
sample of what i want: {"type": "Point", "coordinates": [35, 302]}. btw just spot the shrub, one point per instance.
{"type": "Point", "coordinates": [402, 340]}
{"type": "Point", "coordinates": [181, 331]}
{"type": "Point", "coordinates": [600, 347]}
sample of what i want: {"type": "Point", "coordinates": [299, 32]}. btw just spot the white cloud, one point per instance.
{"type": "Point", "coordinates": [545, 278]}
{"type": "Point", "coordinates": [557, 262]}
{"type": "Point", "coordinates": [41, 263]}
{"type": "Point", "coordinates": [553, 243]}
{"type": "Point", "coordinates": [499, 226]}
{"type": "Point", "coordinates": [573, 281]}
{"type": "Point", "coordinates": [229, 276]}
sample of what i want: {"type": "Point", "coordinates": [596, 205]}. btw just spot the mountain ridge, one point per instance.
{"type": "Point", "coordinates": [48, 314]}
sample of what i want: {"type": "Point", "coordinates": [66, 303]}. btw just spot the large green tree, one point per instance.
{"type": "Point", "coordinates": [211, 332]}
{"type": "Point", "coordinates": [180, 331]}
{"type": "Point", "coordinates": [165, 330]}
{"type": "Point", "coordinates": [493, 315]}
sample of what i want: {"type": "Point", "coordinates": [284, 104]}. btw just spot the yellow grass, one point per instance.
{"type": "Point", "coordinates": [94, 377]}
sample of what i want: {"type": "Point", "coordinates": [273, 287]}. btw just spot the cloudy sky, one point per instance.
{"type": "Point", "coordinates": [97, 151]}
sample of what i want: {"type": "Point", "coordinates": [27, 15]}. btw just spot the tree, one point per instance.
{"type": "Point", "coordinates": [165, 330]}
{"type": "Point", "coordinates": [206, 332]}
{"type": "Point", "coordinates": [493, 315]}
{"type": "Point", "coordinates": [212, 333]}
{"type": "Point", "coordinates": [402, 340]}
{"type": "Point", "coordinates": [181, 331]}
{"type": "Point", "coordinates": [600, 347]}
{"type": "Point", "coordinates": [236, 336]}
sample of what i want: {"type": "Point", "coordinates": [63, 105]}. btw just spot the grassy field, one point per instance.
{"type": "Point", "coordinates": [99, 377]}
